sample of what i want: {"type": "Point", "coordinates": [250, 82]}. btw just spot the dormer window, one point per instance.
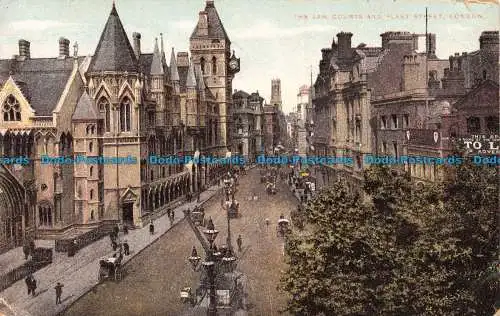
{"type": "Point", "coordinates": [11, 109]}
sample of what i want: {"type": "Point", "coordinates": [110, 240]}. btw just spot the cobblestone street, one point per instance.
{"type": "Point", "coordinates": [155, 277]}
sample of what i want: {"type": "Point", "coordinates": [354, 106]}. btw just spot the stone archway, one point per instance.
{"type": "Point", "coordinates": [12, 211]}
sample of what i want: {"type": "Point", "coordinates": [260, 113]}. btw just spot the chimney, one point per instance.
{"type": "Point", "coordinates": [63, 47]}
{"type": "Point", "coordinates": [24, 49]}
{"type": "Point", "coordinates": [203, 24]}
{"type": "Point", "coordinates": [344, 44]}
{"type": "Point", "coordinates": [182, 59]}
{"type": "Point", "coordinates": [137, 44]}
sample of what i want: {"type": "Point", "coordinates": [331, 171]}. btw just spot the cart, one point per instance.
{"type": "Point", "coordinates": [198, 217]}
{"type": "Point", "coordinates": [283, 229]}
{"type": "Point", "coordinates": [110, 268]}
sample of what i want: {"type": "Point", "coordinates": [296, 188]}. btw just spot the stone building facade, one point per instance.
{"type": "Point", "coordinates": [119, 103]}
{"type": "Point", "coordinates": [367, 98]}
{"type": "Point", "coordinates": [247, 117]}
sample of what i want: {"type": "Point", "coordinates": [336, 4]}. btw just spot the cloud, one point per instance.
{"type": "Point", "coordinates": [37, 25]}
{"type": "Point", "coordinates": [183, 24]}
{"type": "Point", "coordinates": [268, 30]}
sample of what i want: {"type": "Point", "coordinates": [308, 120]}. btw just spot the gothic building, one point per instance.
{"type": "Point", "coordinates": [119, 103]}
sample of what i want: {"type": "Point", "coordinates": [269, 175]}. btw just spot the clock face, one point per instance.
{"type": "Point", "coordinates": [233, 64]}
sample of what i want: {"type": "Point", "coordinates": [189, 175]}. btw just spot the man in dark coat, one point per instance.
{"type": "Point", "coordinates": [239, 242]}
{"type": "Point", "coordinates": [126, 248]}
{"type": "Point", "coordinates": [151, 228]}
{"type": "Point", "coordinates": [26, 251]}
{"type": "Point", "coordinates": [28, 283]}
{"type": "Point", "coordinates": [33, 285]}
{"type": "Point", "coordinates": [58, 289]}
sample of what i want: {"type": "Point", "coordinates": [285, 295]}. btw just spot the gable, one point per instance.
{"type": "Point", "coordinates": [10, 88]}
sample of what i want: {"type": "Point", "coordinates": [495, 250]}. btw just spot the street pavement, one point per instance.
{"type": "Point", "coordinates": [79, 274]}
{"type": "Point", "coordinates": [155, 277]}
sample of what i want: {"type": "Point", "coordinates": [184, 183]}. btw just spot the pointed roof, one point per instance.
{"type": "Point", "coordinates": [199, 77]}
{"type": "Point", "coordinates": [156, 64]}
{"type": "Point", "coordinates": [162, 51]}
{"type": "Point", "coordinates": [174, 73]}
{"type": "Point", "coordinates": [191, 79]}
{"type": "Point", "coordinates": [215, 28]}
{"type": "Point", "coordinates": [114, 52]}
{"type": "Point", "coordinates": [85, 109]}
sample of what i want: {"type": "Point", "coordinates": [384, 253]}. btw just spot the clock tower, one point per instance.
{"type": "Point", "coordinates": [211, 49]}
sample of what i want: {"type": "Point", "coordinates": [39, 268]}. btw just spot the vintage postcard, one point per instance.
{"type": "Point", "coordinates": [249, 157]}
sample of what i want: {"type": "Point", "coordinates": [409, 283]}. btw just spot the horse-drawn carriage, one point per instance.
{"type": "Point", "coordinates": [198, 215]}
{"type": "Point", "coordinates": [187, 296]}
{"type": "Point", "coordinates": [271, 188]}
{"type": "Point", "coordinates": [110, 268]}
{"type": "Point", "coordinates": [283, 228]}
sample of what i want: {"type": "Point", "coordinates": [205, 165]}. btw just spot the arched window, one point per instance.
{"type": "Point", "coordinates": [152, 175]}
{"type": "Point", "coordinates": [11, 109]}
{"type": "Point", "coordinates": [92, 215]}
{"type": "Point", "coordinates": [91, 171]}
{"type": "Point", "coordinates": [104, 104]}
{"type": "Point", "coordinates": [214, 66]}
{"type": "Point", "coordinates": [91, 147]}
{"type": "Point", "coordinates": [91, 194]}
{"type": "Point", "coordinates": [125, 115]}
{"type": "Point", "coordinates": [202, 63]}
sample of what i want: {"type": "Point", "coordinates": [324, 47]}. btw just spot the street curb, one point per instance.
{"type": "Point", "coordinates": [136, 253]}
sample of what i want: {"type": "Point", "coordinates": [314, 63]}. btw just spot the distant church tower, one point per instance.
{"type": "Point", "coordinates": [211, 49]}
{"type": "Point", "coordinates": [276, 93]}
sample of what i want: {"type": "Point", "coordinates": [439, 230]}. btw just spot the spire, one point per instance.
{"type": "Point", "coordinates": [156, 64]}
{"type": "Point", "coordinates": [174, 73]}
{"type": "Point", "coordinates": [199, 77]}
{"type": "Point", "coordinates": [163, 59]}
{"type": "Point", "coordinates": [191, 79]}
{"type": "Point", "coordinates": [114, 52]}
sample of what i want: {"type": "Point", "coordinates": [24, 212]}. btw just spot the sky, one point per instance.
{"type": "Point", "coordinates": [273, 38]}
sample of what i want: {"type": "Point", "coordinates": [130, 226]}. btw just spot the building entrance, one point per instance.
{"type": "Point", "coordinates": [128, 213]}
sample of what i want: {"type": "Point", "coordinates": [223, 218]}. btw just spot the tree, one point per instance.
{"type": "Point", "coordinates": [394, 248]}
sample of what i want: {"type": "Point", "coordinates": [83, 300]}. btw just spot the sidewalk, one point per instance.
{"type": "Point", "coordinates": [78, 274]}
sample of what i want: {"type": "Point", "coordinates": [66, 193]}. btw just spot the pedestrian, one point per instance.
{"type": "Point", "coordinates": [28, 283]}
{"type": "Point", "coordinates": [267, 222]}
{"type": "Point", "coordinates": [126, 248]}
{"type": "Point", "coordinates": [151, 227]}
{"type": "Point", "coordinates": [32, 247]}
{"type": "Point", "coordinates": [114, 245]}
{"type": "Point", "coordinates": [198, 199]}
{"type": "Point", "coordinates": [116, 230]}
{"type": "Point", "coordinates": [58, 289]}
{"type": "Point", "coordinates": [239, 242]}
{"type": "Point", "coordinates": [125, 229]}
{"type": "Point", "coordinates": [33, 285]}
{"type": "Point", "coordinates": [26, 251]}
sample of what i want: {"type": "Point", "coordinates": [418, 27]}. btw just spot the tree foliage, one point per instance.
{"type": "Point", "coordinates": [394, 248]}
